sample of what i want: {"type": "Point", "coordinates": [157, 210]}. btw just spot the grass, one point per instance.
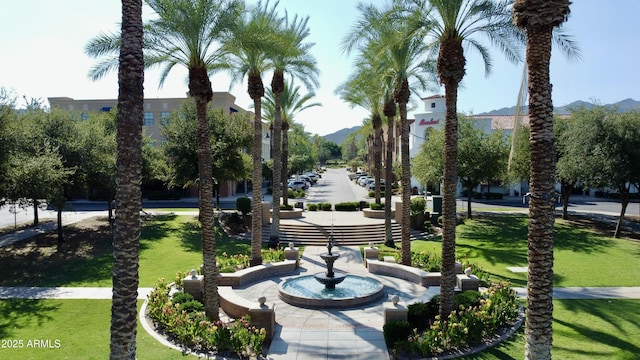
{"type": "Point", "coordinates": [74, 329]}
{"type": "Point", "coordinates": [583, 329]}
{"type": "Point", "coordinates": [168, 244]}
{"type": "Point", "coordinates": [583, 256]}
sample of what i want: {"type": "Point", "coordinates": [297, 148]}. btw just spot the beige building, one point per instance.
{"type": "Point", "coordinates": [156, 111]}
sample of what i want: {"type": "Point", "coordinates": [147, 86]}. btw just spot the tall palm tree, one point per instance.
{"type": "Point", "coordinates": [126, 236]}
{"type": "Point", "coordinates": [452, 25]}
{"type": "Point", "coordinates": [538, 18]}
{"type": "Point", "coordinates": [295, 59]}
{"type": "Point", "coordinates": [186, 33]}
{"type": "Point", "coordinates": [403, 51]}
{"type": "Point", "coordinates": [252, 44]}
{"type": "Point", "coordinates": [291, 104]}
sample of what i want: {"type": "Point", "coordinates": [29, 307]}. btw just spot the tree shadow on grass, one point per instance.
{"type": "Point", "coordinates": [22, 313]}
{"type": "Point", "coordinates": [190, 237]}
{"type": "Point", "coordinates": [627, 311]}
{"type": "Point", "coordinates": [85, 256]}
{"type": "Point", "coordinates": [579, 236]}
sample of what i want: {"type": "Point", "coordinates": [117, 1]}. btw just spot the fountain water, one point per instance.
{"type": "Point", "coordinates": [319, 290]}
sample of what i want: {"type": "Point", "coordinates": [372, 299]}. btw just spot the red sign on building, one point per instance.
{"type": "Point", "coordinates": [431, 121]}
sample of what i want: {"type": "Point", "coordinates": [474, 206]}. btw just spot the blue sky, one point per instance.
{"type": "Point", "coordinates": [42, 56]}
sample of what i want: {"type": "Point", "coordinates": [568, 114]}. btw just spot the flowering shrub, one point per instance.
{"type": "Point", "coordinates": [231, 263]}
{"type": "Point", "coordinates": [192, 328]}
{"type": "Point", "coordinates": [272, 255]}
{"type": "Point", "coordinates": [465, 326]}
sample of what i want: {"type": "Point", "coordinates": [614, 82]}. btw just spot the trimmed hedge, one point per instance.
{"type": "Point", "coordinates": [374, 206]}
{"type": "Point", "coordinates": [243, 204]}
{"type": "Point", "coordinates": [325, 206]}
{"type": "Point", "coordinates": [347, 206]}
{"type": "Point", "coordinates": [312, 207]}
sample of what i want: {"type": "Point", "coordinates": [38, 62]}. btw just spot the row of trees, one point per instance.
{"type": "Point", "coordinates": [409, 41]}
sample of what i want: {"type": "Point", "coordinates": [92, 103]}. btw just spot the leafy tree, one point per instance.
{"type": "Point", "coordinates": [7, 119]}
{"type": "Point", "coordinates": [301, 157]}
{"type": "Point", "coordinates": [604, 147]}
{"type": "Point", "coordinates": [230, 135]}
{"type": "Point", "coordinates": [481, 157]}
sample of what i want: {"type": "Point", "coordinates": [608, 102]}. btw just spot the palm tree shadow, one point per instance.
{"type": "Point", "coordinates": [23, 313]}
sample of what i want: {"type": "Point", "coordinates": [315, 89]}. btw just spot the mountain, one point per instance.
{"type": "Point", "coordinates": [340, 136]}
{"type": "Point", "coordinates": [622, 106]}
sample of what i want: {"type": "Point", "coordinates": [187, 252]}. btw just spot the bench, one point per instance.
{"type": "Point", "coordinates": [404, 272]}
{"type": "Point", "coordinates": [418, 276]}
{"type": "Point", "coordinates": [255, 273]}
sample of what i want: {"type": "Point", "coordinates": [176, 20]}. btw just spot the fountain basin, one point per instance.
{"type": "Point", "coordinates": [306, 291]}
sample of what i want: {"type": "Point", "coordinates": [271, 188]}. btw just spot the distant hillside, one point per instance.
{"type": "Point", "coordinates": [622, 106]}
{"type": "Point", "coordinates": [340, 136]}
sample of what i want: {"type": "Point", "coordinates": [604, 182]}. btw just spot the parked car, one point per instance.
{"type": "Point", "coordinates": [362, 181]}
{"type": "Point", "coordinates": [372, 185]}
{"type": "Point", "coordinates": [313, 176]}
{"type": "Point", "coordinates": [295, 185]}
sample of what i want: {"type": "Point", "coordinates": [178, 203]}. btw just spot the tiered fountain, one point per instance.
{"type": "Point", "coordinates": [320, 291]}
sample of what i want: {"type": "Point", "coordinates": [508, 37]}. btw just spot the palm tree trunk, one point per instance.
{"type": "Point", "coordinates": [377, 155]}
{"type": "Point", "coordinates": [406, 186]}
{"type": "Point", "coordinates": [277, 86]}
{"type": "Point", "coordinates": [207, 217]}
{"type": "Point", "coordinates": [450, 181]}
{"type": "Point", "coordinates": [255, 82]}
{"type": "Point", "coordinates": [624, 202]}
{"type": "Point", "coordinates": [285, 162]}
{"type": "Point", "coordinates": [388, 178]}
{"type": "Point", "coordinates": [538, 332]}
{"type": "Point", "coordinates": [126, 237]}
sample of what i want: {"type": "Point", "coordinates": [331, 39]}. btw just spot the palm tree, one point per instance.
{"type": "Point", "coordinates": [291, 104]}
{"type": "Point", "coordinates": [538, 18]}
{"type": "Point", "coordinates": [295, 59]}
{"type": "Point", "coordinates": [186, 33]}
{"type": "Point", "coordinates": [252, 43]}
{"type": "Point", "coordinates": [401, 48]}
{"type": "Point", "coordinates": [126, 236]}
{"type": "Point", "coordinates": [452, 24]}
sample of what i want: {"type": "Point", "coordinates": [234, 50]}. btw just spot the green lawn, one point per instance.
{"type": "Point", "coordinates": [583, 329]}
{"type": "Point", "coordinates": [583, 257]}
{"type": "Point", "coordinates": [67, 329]}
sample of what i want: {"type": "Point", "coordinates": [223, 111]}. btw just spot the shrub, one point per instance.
{"type": "Point", "coordinates": [421, 314]}
{"type": "Point", "coordinates": [372, 193]}
{"type": "Point", "coordinates": [325, 206]}
{"type": "Point", "coordinates": [229, 264]}
{"type": "Point", "coordinates": [243, 204]}
{"type": "Point", "coordinates": [272, 255]}
{"type": "Point", "coordinates": [426, 261]}
{"type": "Point", "coordinates": [468, 298]}
{"type": "Point", "coordinates": [192, 306]}
{"type": "Point", "coordinates": [347, 206]}
{"type": "Point", "coordinates": [191, 328]}
{"type": "Point", "coordinates": [374, 206]}
{"type": "Point", "coordinates": [312, 207]}
{"type": "Point", "coordinates": [417, 205]}
{"type": "Point", "coordinates": [396, 331]}
{"type": "Point", "coordinates": [286, 207]}
{"type": "Point", "coordinates": [498, 307]}
{"type": "Point", "coordinates": [181, 297]}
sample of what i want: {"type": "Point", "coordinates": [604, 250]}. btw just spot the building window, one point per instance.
{"type": "Point", "coordinates": [165, 118]}
{"type": "Point", "coordinates": [148, 119]}
{"type": "Point", "coordinates": [433, 105]}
